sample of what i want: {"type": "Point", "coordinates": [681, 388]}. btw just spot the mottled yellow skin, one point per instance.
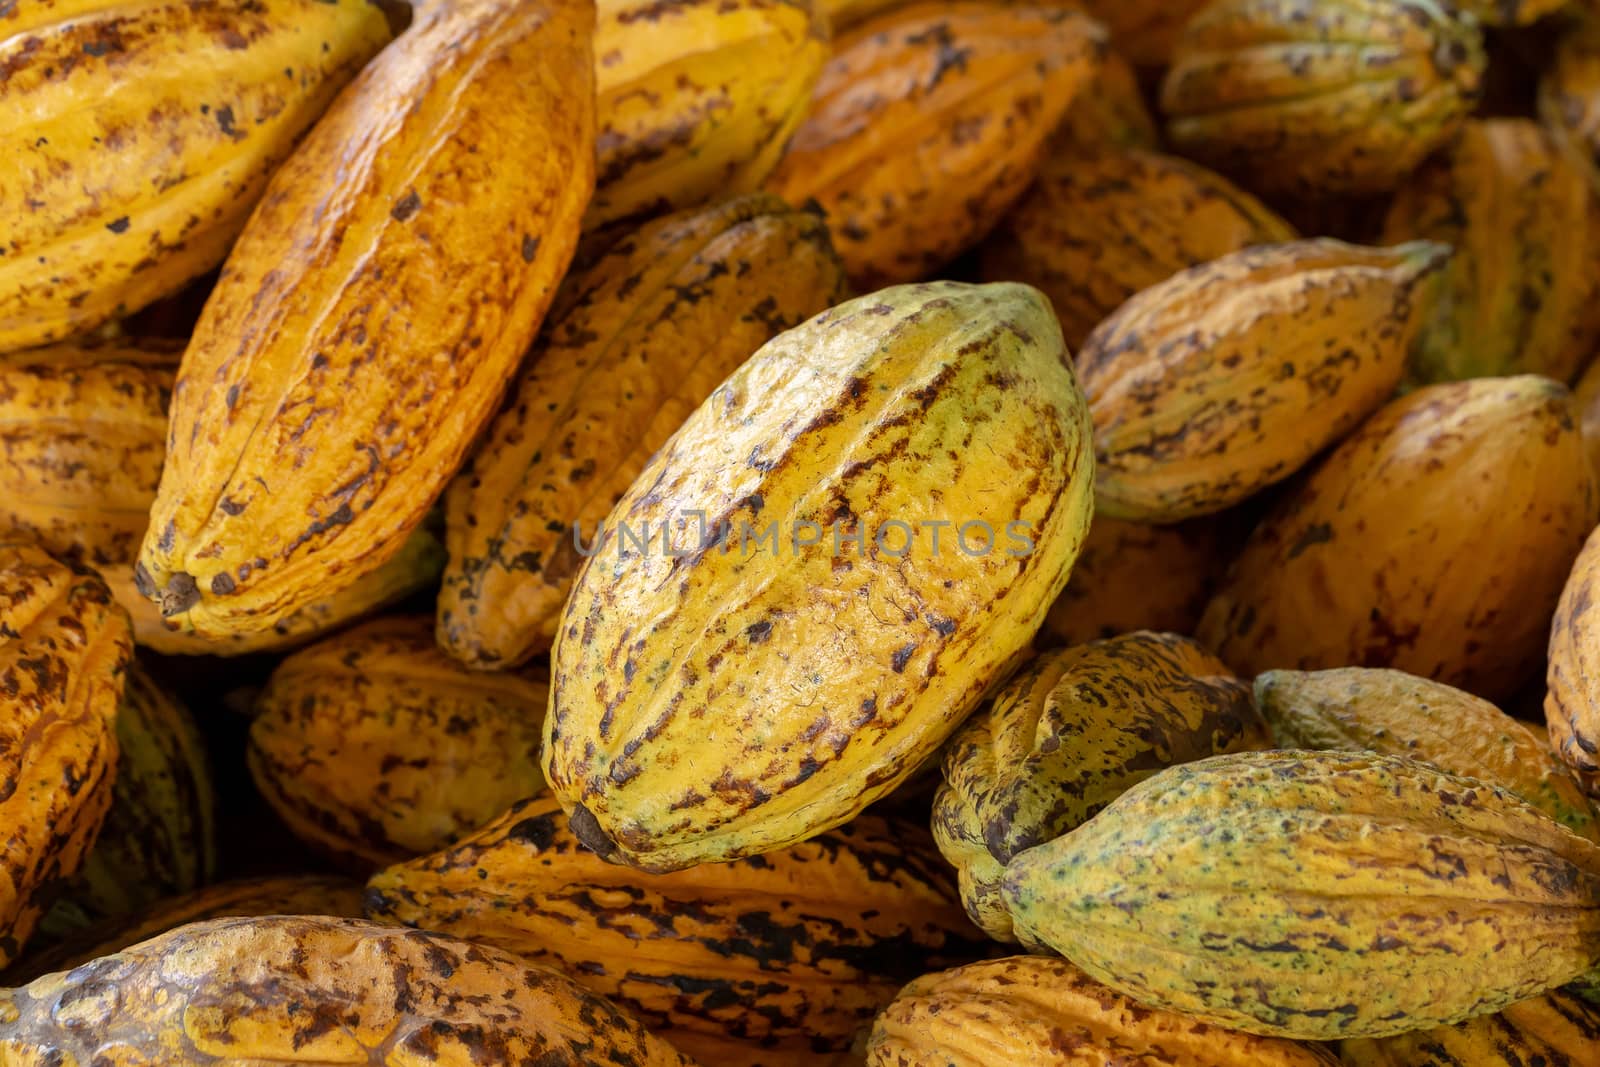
{"type": "Point", "coordinates": [635, 343]}
{"type": "Point", "coordinates": [1572, 703]}
{"type": "Point", "coordinates": [732, 702]}
{"type": "Point", "coordinates": [928, 122]}
{"type": "Point", "coordinates": [140, 133]}
{"type": "Point", "coordinates": [1228, 377]}
{"type": "Point", "coordinates": [1434, 541]}
{"type": "Point", "coordinates": [1556, 1030]}
{"type": "Point", "coordinates": [1097, 228]}
{"type": "Point", "coordinates": [1042, 1010]}
{"type": "Point", "coordinates": [1316, 895]}
{"type": "Point", "coordinates": [734, 963]}
{"type": "Point", "coordinates": [696, 99]}
{"type": "Point", "coordinates": [1321, 97]}
{"type": "Point", "coordinates": [1569, 97]}
{"type": "Point", "coordinates": [373, 312]}
{"type": "Point", "coordinates": [373, 745]}
{"type": "Point", "coordinates": [317, 991]}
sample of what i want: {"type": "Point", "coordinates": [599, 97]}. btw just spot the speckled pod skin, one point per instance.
{"type": "Point", "coordinates": [1399, 714]}
{"type": "Point", "coordinates": [64, 649]}
{"type": "Point", "coordinates": [927, 124]}
{"type": "Point", "coordinates": [1316, 895]}
{"type": "Point", "coordinates": [1108, 113]}
{"type": "Point", "coordinates": [1365, 563]}
{"type": "Point", "coordinates": [159, 838]}
{"type": "Point", "coordinates": [1096, 229]}
{"type": "Point", "coordinates": [318, 991]}
{"type": "Point", "coordinates": [634, 345]}
{"type": "Point", "coordinates": [1131, 576]}
{"type": "Point", "coordinates": [374, 310]}
{"type": "Point", "coordinates": [1519, 296]}
{"type": "Point", "coordinates": [299, 894]}
{"type": "Point", "coordinates": [142, 134]}
{"type": "Point", "coordinates": [696, 99]}
{"type": "Point", "coordinates": [790, 952]}
{"type": "Point", "coordinates": [1069, 734]}
{"type": "Point", "coordinates": [374, 746]}
{"type": "Point", "coordinates": [86, 431]}
{"type": "Point", "coordinates": [1557, 1030]}
{"type": "Point", "coordinates": [1042, 1010]}
{"type": "Point", "coordinates": [1146, 31]}
{"type": "Point", "coordinates": [1569, 97]}
{"type": "Point", "coordinates": [1228, 377]}
{"type": "Point", "coordinates": [1310, 98]}
{"type": "Point", "coordinates": [1572, 702]}
{"type": "Point", "coordinates": [822, 676]}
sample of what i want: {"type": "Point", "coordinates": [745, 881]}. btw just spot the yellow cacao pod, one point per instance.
{"type": "Point", "coordinates": [1038, 1010]}
{"type": "Point", "coordinates": [342, 991]}
{"type": "Point", "coordinates": [1094, 230]}
{"type": "Point", "coordinates": [785, 953]}
{"type": "Point", "coordinates": [636, 343]}
{"type": "Point", "coordinates": [142, 133]}
{"type": "Point", "coordinates": [372, 313]}
{"type": "Point", "coordinates": [64, 651]}
{"type": "Point", "coordinates": [1200, 403]}
{"type": "Point", "coordinates": [1146, 31]}
{"type": "Point", "coordinates": [373, 745]}
{"type": "Point", "coordinates": [1572, 703]}
{"type": "Point", "coordinates": [1108, 113]}
{"type": "Point", "coordinates": [1068, 735]}
{"type": "Point", "coordinates": [696, 99]}
{"type": "Point", "coordinates": [848, 639]}
{"type": "Point", "coordinates": [1569, 97]}
{"type": "Point", "coordinates": [1362, 564]}
{"type": "Point", "coordinates": [1399, 714]}
{"type": "Point", "coordinates": [1310, 99]}
{"type": "Point", "coordinates": [927, 124]}
{"type": "Point", "coordinates": [1329, 894]}
{"type": "Point", "coordinates": [1557, 1030]}
{"type": "Point", "coordinates": [1520, 292]}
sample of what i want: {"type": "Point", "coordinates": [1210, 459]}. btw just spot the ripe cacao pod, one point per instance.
{"type": "Point", "coordinates": [1042, 1010]}
{"type": "Point", "coordinates": [1329, 894]}
{"type": "Point", "coordinates": [1569, 97]}
{"type": "Point", "coordinates": [64, 649]}
{"type": "Point", "coordinates": [316, 990]}
{"type": "Point", "coordinates": [731, 962]}
{"type": "Point", "coordinates": [1559, 1029]}
{"type": "Point", "coordinates": [1519, 295]}
{"type": "Point", "coordinates": [696, 99]}
{"type": "Point", "coordinates": [1435, 541]}
{"type": "Point", "coordinates": [142, 133]}
{"type": "Point", "coordinates": [374, 746]}
{"type": "Point", "coordinates": [1109, 113]}
{"type": "Point", "coordinates": [634, 345]}
{"type": "Point", "coordinates": [1069, 734]}
{"type": "Point", "coordinates": [1572, 703]}
{"type": "Point", "coordinates": [1096, 229]}
{"type": "Point", "coordinates": [806, 669]}
{"type": "Point", "coordinates": [372, 313]}
{"type": "Point", "coordinates": [1398, 714]}
{"type": "Point", "coordinates": [1201, 402]}
{"type": "Point", "coordinates": [929, 121]}
{"type": "Point", "coordinates": [1310, 99]}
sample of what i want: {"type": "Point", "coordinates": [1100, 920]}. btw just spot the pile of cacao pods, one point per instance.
{"type": "Point", "coordinates": [764, 533]}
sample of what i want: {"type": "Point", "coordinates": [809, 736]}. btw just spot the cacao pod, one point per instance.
{"type": "Point", "coordinates": [1094, 230]}
{"type": "Point", "coordinates": [1201, 402]}
{"type": "Point", "coordinates": [1329, 894]}
{"type": "Point", "coordinates": [1569, 97]}
{"type": "Point", "coordinates": [1130, 577]}
{"type": "Point", "coordinates": [1109, 113]}
{"type": "Point", "coordinates": [1069, 734]}
{"type": "Point", "coordinates": [803, 679]}
{"type": "Point", "coordinates": [142, 133]}
{"type": "Point", "coordinates": [1435, 541]}
{"type": "Point", "coordinates": [1399, 714]}
{"type": "Point", "coordinates": [696, 99]}
{"type": "Point", "coordinates": [928, 122]}
{"type": "Point", "coordinates": [1587, 397]}
{"type": "Point", "coordinates": [1556, 1030]}
{"type": "Point", "coordinates": [1038, 1010]}
{"type": "Point", "coordinates": [1146, 31]}
{"type": "Point", "coordinates": [316, 990]}
{"type": "Point", "coordinates": [1519, 293]}
{"type": "Point", "coordinates": [372, 313]}
{"type": "Point", "coordinates": [842, 14]}
{"type": "Point", "coordinates": [64, 649]}
{"type": "Point", "coordinates": [636, 343]}
{"type": "Point", "coordinates": [373, 745]}
{"type": "Point", "coordinates": [1308, 99]}
{"type": "Point", "coordinates": [1572, 703]}
{"type": "Point", "coordinates": [732, 962]}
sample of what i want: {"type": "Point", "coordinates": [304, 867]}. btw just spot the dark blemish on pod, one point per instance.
{"type": "Point", "coordinates": [901, 657]}
{"type": "Point", "coordinates": [118, 225]}
{"type": "Point", "coordinates": [222, 584]}
{"type": "Point", "coordinates": [182, 593]}
{"type": "Point", "coordinates": [407, 206]}
{"type": "Point", "coordinates": [587, 830]}
{"type": "Point", "coordinates": [530, 248]}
